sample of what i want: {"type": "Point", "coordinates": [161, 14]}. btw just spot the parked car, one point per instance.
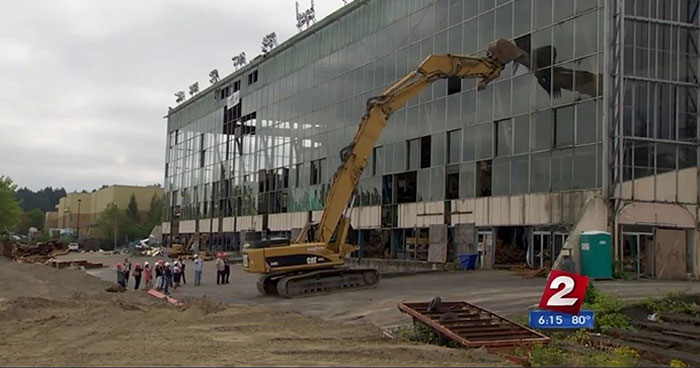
{"type": "Point", "coordinates": [73, 247]}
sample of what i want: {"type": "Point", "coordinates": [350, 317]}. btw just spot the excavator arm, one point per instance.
{"type": "Point", "coordinates": [354, 156]}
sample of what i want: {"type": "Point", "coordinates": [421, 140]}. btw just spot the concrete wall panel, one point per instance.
{"type": "Point", "coordinates": [656, 213]}
{"type": "Point", "coordinates": [187, 227]}
{"type": "Point", "coordinates": [228, 224]}
{"type": "Point", "coordinates": [665, 188]}
{"type": "Point", "coordinates": [688, 185]}
{"type": "Point", "coordinates": [643, 189]}
{"type": "Point", "coordinates": [516, 209]}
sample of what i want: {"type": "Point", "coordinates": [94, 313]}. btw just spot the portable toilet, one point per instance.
{"type": "Point", "coordinates": [596, 254]}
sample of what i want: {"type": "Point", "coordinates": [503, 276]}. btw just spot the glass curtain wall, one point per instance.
{"type": "Point", "coordinates": [535, 129]}
{"type": "Point", "coordinates": [660, 118]}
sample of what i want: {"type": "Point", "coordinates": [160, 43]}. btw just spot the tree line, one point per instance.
{"type": "Point", "coordinates": [117, 225]}
{"type": "Point", "coordinates": [21, 209]}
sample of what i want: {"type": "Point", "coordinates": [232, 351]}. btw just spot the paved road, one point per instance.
{"type": "Point", "coordinates": [500, 291]}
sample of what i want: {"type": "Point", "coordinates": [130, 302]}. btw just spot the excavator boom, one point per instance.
{"type": "Point", "coordinates": [312, 264]}
{"type": "Point", "coordinates": [354, 157]}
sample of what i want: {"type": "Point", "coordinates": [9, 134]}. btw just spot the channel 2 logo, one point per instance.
{"type": "Point", "coordinates": [564, 292]}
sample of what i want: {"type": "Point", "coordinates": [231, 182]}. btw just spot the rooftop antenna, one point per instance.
{"type": "Point", "coordinates": [269, 42]}
{"type": "Point", "coordinates": [239, 60]}
{"type": "Point", "coordinates": [179, 96]}
{"type": "Point", "coordinates": [214, 76]}
{"type": "Point", "coordinates": [305, 18]}
{"type": "Point", "coordinates": [194, 88]}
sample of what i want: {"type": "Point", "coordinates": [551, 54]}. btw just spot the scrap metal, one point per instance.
{"type": "Point", "coordinates": [473, 326]}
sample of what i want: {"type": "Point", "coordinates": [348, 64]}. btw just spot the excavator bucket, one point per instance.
{"type": "Point", "coordinates": [504, 51]}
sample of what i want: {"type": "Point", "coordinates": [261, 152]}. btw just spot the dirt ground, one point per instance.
{"type": "Point", "coordinates": [64, 317]}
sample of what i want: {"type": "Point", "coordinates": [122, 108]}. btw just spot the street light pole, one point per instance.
{"type": "Point", "coordinates": [78, 220]}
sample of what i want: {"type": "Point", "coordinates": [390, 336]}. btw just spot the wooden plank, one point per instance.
{"type": "Point", "coordinates": [670, 248]}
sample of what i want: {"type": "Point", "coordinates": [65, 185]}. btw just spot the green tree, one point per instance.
{"type": "Point", "coordinates": [33, 218]}
{"type": "Point", "coordinates": [155, 210]}
{"type": "Point", "coordinates": [112, 222]}
{"type": "Point", "coordinates": [10, 210]}
{"type": "Point", "coordinates": [132, 210]}
{"type": "Point", "coordinates": [152, 218]}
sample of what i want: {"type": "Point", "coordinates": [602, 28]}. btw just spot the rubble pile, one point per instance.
{"type": "Point", "coordinates": [37, 253]}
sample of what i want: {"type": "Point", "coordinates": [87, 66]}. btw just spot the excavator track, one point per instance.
{"type": "Point", "coordinates": [317, 282]}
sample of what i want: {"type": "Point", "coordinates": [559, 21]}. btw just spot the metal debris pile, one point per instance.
{"type": "Point", "coordinates": [470, 325]}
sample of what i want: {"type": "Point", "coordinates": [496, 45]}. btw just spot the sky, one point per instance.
{"type": "Point", "coordinates": [85, 84]}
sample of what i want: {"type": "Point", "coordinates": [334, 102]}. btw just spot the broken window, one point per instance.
{"type": "Point", "coordinates": [425, 152]}
{"type": "Point", "coordinates": [504, 137]}
{"type": "Point", "coordinates": [454, 85]}
{"type": "Point", "coordinates": [483, 178]}
{"type": "Point", "coordinates": [378, 161]}
{"type": "Point", "coordinates": [500, 183]}
{"type": "Point", "coordinates": [389, 216]}
{"type": "Point", "coordinates": [387, 188]}
{"type": "Point", "coordinates": [202, 151]}
{"type": "Point", "coordinates": [405, 185]}
{"type": "Point", "coordinates": [454, 146]}
{"type": "Point", "coordinates": [236, 86]}
{"type": "Point", "coordinates": [284, 176]}
{"type": "Point", "coordinates": [315, 177]}
{"type": "Point", "coordinates": [452, 182]}
{"type": "Point", "coordinates": [297, 178]}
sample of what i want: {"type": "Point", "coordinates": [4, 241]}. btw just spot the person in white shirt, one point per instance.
{"type": "Point", "coordinates": [198, 263]}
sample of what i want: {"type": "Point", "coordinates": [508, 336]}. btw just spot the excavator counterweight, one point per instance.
{"type": "Point", "coordinates": [313, 263]}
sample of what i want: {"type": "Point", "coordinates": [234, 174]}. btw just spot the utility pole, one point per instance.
{"type": "Point", "coordinates": [78, 220]}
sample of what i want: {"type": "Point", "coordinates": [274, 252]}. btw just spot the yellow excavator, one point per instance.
{"type": "Point", "coordinates": [313, 263]}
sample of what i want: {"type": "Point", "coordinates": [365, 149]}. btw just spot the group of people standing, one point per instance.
{"type": "Point", "coordinates": [223, 269]}
{"type": "Point", "coordinates": [169, 276]}
{"type": "Point", "coordinates": [124, 270]}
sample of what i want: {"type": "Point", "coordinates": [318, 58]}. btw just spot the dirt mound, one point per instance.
{"type": "Point", "coordinates": [116, 288]}
{"type": "Point", "coordinates": [33, 303]}
{"type": "Point", "coordinates": [27, 307]}
{"type": "Point", "coordinates": [65, 318]}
